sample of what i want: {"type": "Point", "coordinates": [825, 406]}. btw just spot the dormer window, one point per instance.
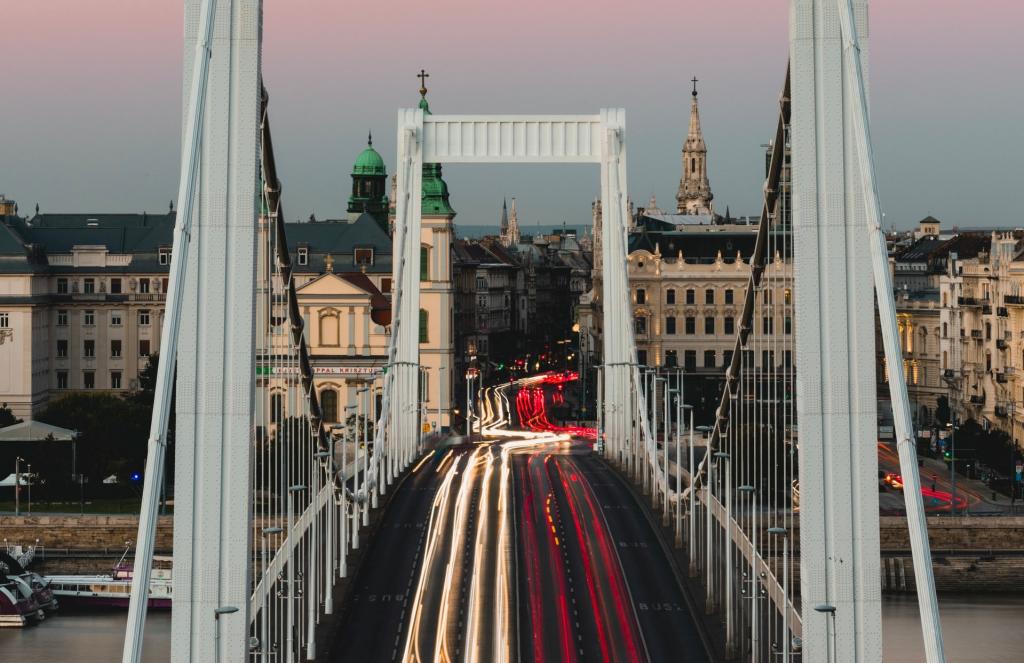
{"type": "Point", "coordinates": [165, 256]}
{"type": "Point", "coordinates": [364, 257]}
{"type": "Point", "coordinates": [303, 256]}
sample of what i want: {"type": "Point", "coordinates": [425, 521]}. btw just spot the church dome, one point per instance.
{"type": "Point", "coordinates": [369, 162]}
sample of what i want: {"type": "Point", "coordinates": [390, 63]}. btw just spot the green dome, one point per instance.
{"type": "Point", "coordinates": [369, 162]}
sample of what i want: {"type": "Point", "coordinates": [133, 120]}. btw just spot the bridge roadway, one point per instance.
{"type": "Point", "coordinates": [525, 547]}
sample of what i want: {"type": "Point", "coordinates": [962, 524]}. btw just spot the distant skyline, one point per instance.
{"type": "Point", "coordinates": [92, 94]}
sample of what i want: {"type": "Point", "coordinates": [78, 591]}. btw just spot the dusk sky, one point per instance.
{"type": "Point", "coordinates": [91, 108]}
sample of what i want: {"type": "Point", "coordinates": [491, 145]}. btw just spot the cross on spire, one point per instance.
{"type": "Point", "coordinates": [423, 76]}
{"type": "Point", "coordinates": [694, 80]}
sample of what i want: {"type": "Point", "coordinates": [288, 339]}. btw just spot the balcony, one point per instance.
{"type": "Point", "coordinates": [976, 333]}
{"type": "Point", "coordinates": [1016, 300]}
{"type": "Point", "coordinates": [970, 301]}
{"type": "Point", "coordinates": [987, 309]}
{"type": "Point", "coordinates": [949, 374]}
{"type": "Point", "coordinates": [1002, 344]}
{"type": "Point", "coordinates": [977, 400]}
{"type": "Point", "coordinates": [1003, 312]}
{"type": "Point", "coordinates": [1001, 378]}
{"type": "Point", "coordinates": [1002, 410]}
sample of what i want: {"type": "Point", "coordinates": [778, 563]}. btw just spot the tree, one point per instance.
{"type": "Point", "coordinates": [112, 437]}
{"type": "Point", "coordinates": [7, 417]}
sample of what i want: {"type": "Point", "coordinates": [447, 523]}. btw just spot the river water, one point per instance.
{"type": "Point", "coordinates": [978, 629]}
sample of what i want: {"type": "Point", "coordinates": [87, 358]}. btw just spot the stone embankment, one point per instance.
{"type": "Point", "coordinates": [79, 544]}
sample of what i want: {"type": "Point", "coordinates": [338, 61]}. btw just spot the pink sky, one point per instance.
{"type": "Point", "coordinates": [92, 99]}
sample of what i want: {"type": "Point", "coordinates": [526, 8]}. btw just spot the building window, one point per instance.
{"type": "Point", "coordinates": [62, 318]}
{"type": "Point", "coordinates": [671, 358]}
{"type": "Point", "coordinates": [767, 359]}
{"type": "Point", "coordinates": [62, 348]}
{"type": "Point", "coordinates": [787, 296]}
{"type": "Point", "coordinates": [709, 296]}
{"type": "Point", "coordinates": [115, 348]}
{"type": "Point", "coordinates": [709, 325]}
{"type": "Point", "coordinates": [364, 257]}
{"type": "Point", "coordinates": [62, 379]}
{"type": "Point", "coordinates": [115, 379]}
{"type": "Point", "coordinates": [709, 359]}
{"type": "Point", "coordinates": [144, 347]}
{"type": "Point", "coordinates": [424, 326]}
{"type": "Point", "coordinates": [89, 317]}
{"type": "Point", "coordinates": [988, 331]}
{"type": "Point", "coordinates": [691, 326]}
{"type": "Point", "coordinates": [787, 358]}
{"type": "Point", "coordinates": [62, 286]}
{"type": "Point", "coordinates": [329, 331]}
{"type": "Point", "coordinates": [88, 379]}
{"type": "Point", "coordinates": [115, 318]}
{"type": "Point", "coordinates": [641, 296]}
{"type": "Point", "coordinates": [640, 325]}
{"type": "Point", "coordinates": [728, 296]}
{"type": "Point", "coordinates": [424, 263]}
{"type": "Point", "coordinates": [729, 324]}
{"type": "Point", "coordinates": [165, 256]}
{"type": "Point", "coordinates": [276, 408]}
{"type": "Point", "coordinates": [945, 330]}
{"type": "Point", "coordinates": [641, 357]}
{"type": "Point", "coordinates": [329, 405]}
{"type": "Point", "coordinates": [767, 324]}
{"type": "Point", "coordinates": [670, 325]}
{"type": "Point", "coordinates": [727, 357]}
{"type": "Point", "coordinates": [670, 296]}
{"type": "Point", "coordinates": [303, 255]}
{"type": "Point", "coordinates": [144, 286]}
{"type": "Point", "coordinates": [144, 317]}
{"type": "Point", "coordinates": [385, 286]}
{"type": "Point", "coordinates": [690, 360]}
{"type": "Point", "coordinates": [691, 296]}
{"type": "Point", "coordinates": [89, 348]}
{"type": "Point", "coordinates": [787, 324]}
{"type": "Point", "coordinates": [115, 286]}
{"type": "Point", "coordinates": [89, 286]}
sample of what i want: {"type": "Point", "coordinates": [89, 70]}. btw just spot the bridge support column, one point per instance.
{"type": "Point", "coordinates": [215, 363]}
{"type": "Point", "coordinates": [405, 317]}
{"type": "Point", "coordinates": [835, 347]}
{"type": "Point", "coordinates": [619, 348]}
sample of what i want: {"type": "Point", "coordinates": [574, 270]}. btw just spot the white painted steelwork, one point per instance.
{"type": "Point", "coordinates": [856, 88]}
{"type": "Point", "coordinates": [835, 348]}
{"type": "Point", "coordinates": [216, 355]}
{"type": "Point", "coordinates": [525, 139]}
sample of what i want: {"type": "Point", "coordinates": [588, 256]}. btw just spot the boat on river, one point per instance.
{"type": "Point", "coordinates": [114, 590]}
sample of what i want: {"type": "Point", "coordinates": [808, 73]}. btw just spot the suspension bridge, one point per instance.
{"type": "Point", "coordinates": [519, 534]}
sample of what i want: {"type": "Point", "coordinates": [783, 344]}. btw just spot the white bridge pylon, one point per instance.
{"type": "Point", "coordinates": [524, 139]}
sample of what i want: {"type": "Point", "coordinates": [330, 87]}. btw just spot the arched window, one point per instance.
{"type": "Point", "coordinates": [945, 330]}
{"type": "Point", "coordinates": [693, 165]}
{"type": "Point", "coordinates": [329, 405]}
{"type": "Point", "coordinates": [424, 326]}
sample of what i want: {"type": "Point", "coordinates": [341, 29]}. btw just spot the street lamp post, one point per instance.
{"type": "Point", "coordinates": [952, 463]}
{"type": "Point", "coordinates": [781, 532]}
{"type": "Point", "coordinates": [17, 485]}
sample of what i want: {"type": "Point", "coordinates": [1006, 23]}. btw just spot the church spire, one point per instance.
{"type": "Point", "coordinates": [509, 225]}
{"type": "Point", "coordinates": [694, 195]}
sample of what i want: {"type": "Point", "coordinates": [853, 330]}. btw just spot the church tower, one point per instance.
{"type": "Point", "coordinates": [694, 195]}
{"type": "Point", "coordinates": [369, 181]}
{"type": "Point", "coordinates": [509, 225]}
